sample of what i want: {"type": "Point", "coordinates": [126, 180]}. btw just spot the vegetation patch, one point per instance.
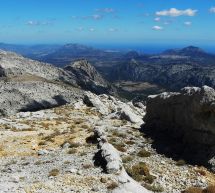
{"type": "Point", "coordinates": [54, 172]}
{"type": "Point", "coordinates": [144, 153]}
{"type": "Point", "coordinates": [180, 162]}
{"type": "Point", "coordinates": [112, 186]}
{"type": "Point", "coordinates": [127, 159]}
{"type": "Point", "coordinates": [140, 172]}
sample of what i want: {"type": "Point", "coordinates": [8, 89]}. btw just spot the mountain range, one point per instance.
{"type": "Point", "coordinates": [66, 128]}
{"type": "Point", "coordinates": [169, 70]}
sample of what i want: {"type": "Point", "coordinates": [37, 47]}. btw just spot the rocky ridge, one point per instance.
{"type": "Point", "coordinates": [28, 85]}
{"type": "Point", "coordinates": [88, 77]}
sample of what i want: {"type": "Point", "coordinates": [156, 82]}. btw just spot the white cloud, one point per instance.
{"type": "Point", "coordinates": [157, 19]}
{"type": "Point", "coordinates": [94, 17]}
{"type": "Point", "coordinates": [33, 23]}
{"type": "Point", "coordinates": [106, 10]}
{"type": "Point", "coordinates": [156, 27]}
{"type": "Point", "coordinates": [187, 23]}
{"type": "Point", "coordinates": [97, 17]}
{"type": "Point", "coordinates": [80, 29]}
{"type": "Point", "coordinates": [212, 10]}
{"type": "Point", "coordinates": [173, 12]}
{"type": "Point", "coordinates": [91, 29]}
{"type": "Point", "coordinates": [112, 29]}
{"type": "Point", "coordinates": [37, 23]}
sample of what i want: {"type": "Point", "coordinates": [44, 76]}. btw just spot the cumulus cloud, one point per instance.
{"type": "Point", "coordinates": [173, 12]}
{"type": "Point", "coordinates": [212, 10]}
{"type": "Point", "coordinates": [157, 28]}
{"type": "Point", "coordinates": [187, 23]}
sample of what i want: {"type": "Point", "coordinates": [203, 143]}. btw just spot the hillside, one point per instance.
{"type": "Point", "coordinates": [31, 85]}
{"type": "Point", "coordinates": [89, 145]}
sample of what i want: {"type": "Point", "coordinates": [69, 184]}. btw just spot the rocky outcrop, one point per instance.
{"type": "Point", "coordinates": [88, 77]}
{"type": "Point", "coordinates": [108, 105]}
{"type": "Point", "coordinates": [188, 116]}
{"type": "Point", "coordinates": [12, 65]}
{"type": "Point", "coordinates": [28, 85]}
{"type": "Point", "coordinates": [34, 95]}
{"type": "Point", "coordinates": [114, 165]}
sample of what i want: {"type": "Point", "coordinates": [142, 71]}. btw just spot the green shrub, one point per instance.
{"type": "Point", "coordinates": [180, 162]}
{"type": "Point", "coordinates": [138, 171]}
{"type": "Point", "coordinates": [127, 159]}
{"type": "Point", "coordinates": [144, 153]}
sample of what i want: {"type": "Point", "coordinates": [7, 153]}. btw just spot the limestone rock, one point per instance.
{"type": "Point", "coordinates": [94, 101]}
{"type": "Point", "coordinates": [128, 114]}
{"type": "Point", "coordinates": [188, 116]}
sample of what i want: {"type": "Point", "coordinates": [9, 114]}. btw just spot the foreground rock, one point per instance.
{"type": "Point", "coordinates": [187, 116]}
{"type": "Point", "coordinates": [108, 105]}
{"type": "Point", "coordinates": [56, 150]}
{"type": "Point", "coordinates": [114, 165]}
{"type": "Point", "coordinates": [34, 95]}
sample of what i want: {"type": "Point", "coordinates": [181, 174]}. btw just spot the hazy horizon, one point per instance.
{"type": "Point", "coordinates": [104, 22]}
{"type": "Point", "coordinates": [142, 48]}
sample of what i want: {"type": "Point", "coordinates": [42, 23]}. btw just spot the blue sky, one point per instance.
{"type": "Point", "coordinates": [108, 21]}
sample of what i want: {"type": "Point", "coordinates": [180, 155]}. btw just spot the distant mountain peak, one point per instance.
{"type": "Point", "coordinates": [193, 49]}
{"type": "Point", "coordinates": [187, 51]}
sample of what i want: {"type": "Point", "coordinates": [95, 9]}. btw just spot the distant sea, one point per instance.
{"type": "Point", "coordinates": [149, 48]}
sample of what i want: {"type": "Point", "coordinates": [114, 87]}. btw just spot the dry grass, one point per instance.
{"type": "Point", "coordinates": [144, 153]}
{"type": "Point", "coordinates": [87, 166]}
{"type": "Point", "coordinates": [119, 134]}
{"type": "Point", "coordinates": [127, 159]}
{"type": "Point", "coordinates": [193, 190]}
{"type": "Point", "coordinates": [54, 172]}
{"type": "Point", "coordinates": [180, 162]}
{"type": "Point", "coordinates": [120, 147]}
{"type": "Point", "coordinates": [209, 189]}
{"type": "Point", "coordinates": [154, 188]}
{"type": "Point", "coordinates": [140, 172]}
{"type": "Point", "coordinates": [112, 186]}
{"type": "Point", "coordinates": [72, 151]}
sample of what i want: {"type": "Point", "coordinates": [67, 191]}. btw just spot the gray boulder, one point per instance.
{"type": "Point", "coordinates": [188, 116]}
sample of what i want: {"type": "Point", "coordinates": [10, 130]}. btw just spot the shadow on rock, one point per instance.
{"type": "Point", "coordinates": [176, 148]}
{"type": "Point", "coordinates": [99, 161]}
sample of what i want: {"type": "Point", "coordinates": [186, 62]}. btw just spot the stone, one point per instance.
{"type": "Point", "coordinates": [73, 170]}
{"type": "Point", "coordinates": [187, 116]}
{"type": "Point", "coordinates": [93, 100]}
{"type": "Point", "coordinates": [43, 152]}
{"type": "Point", "coordinates": [128, 114]}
